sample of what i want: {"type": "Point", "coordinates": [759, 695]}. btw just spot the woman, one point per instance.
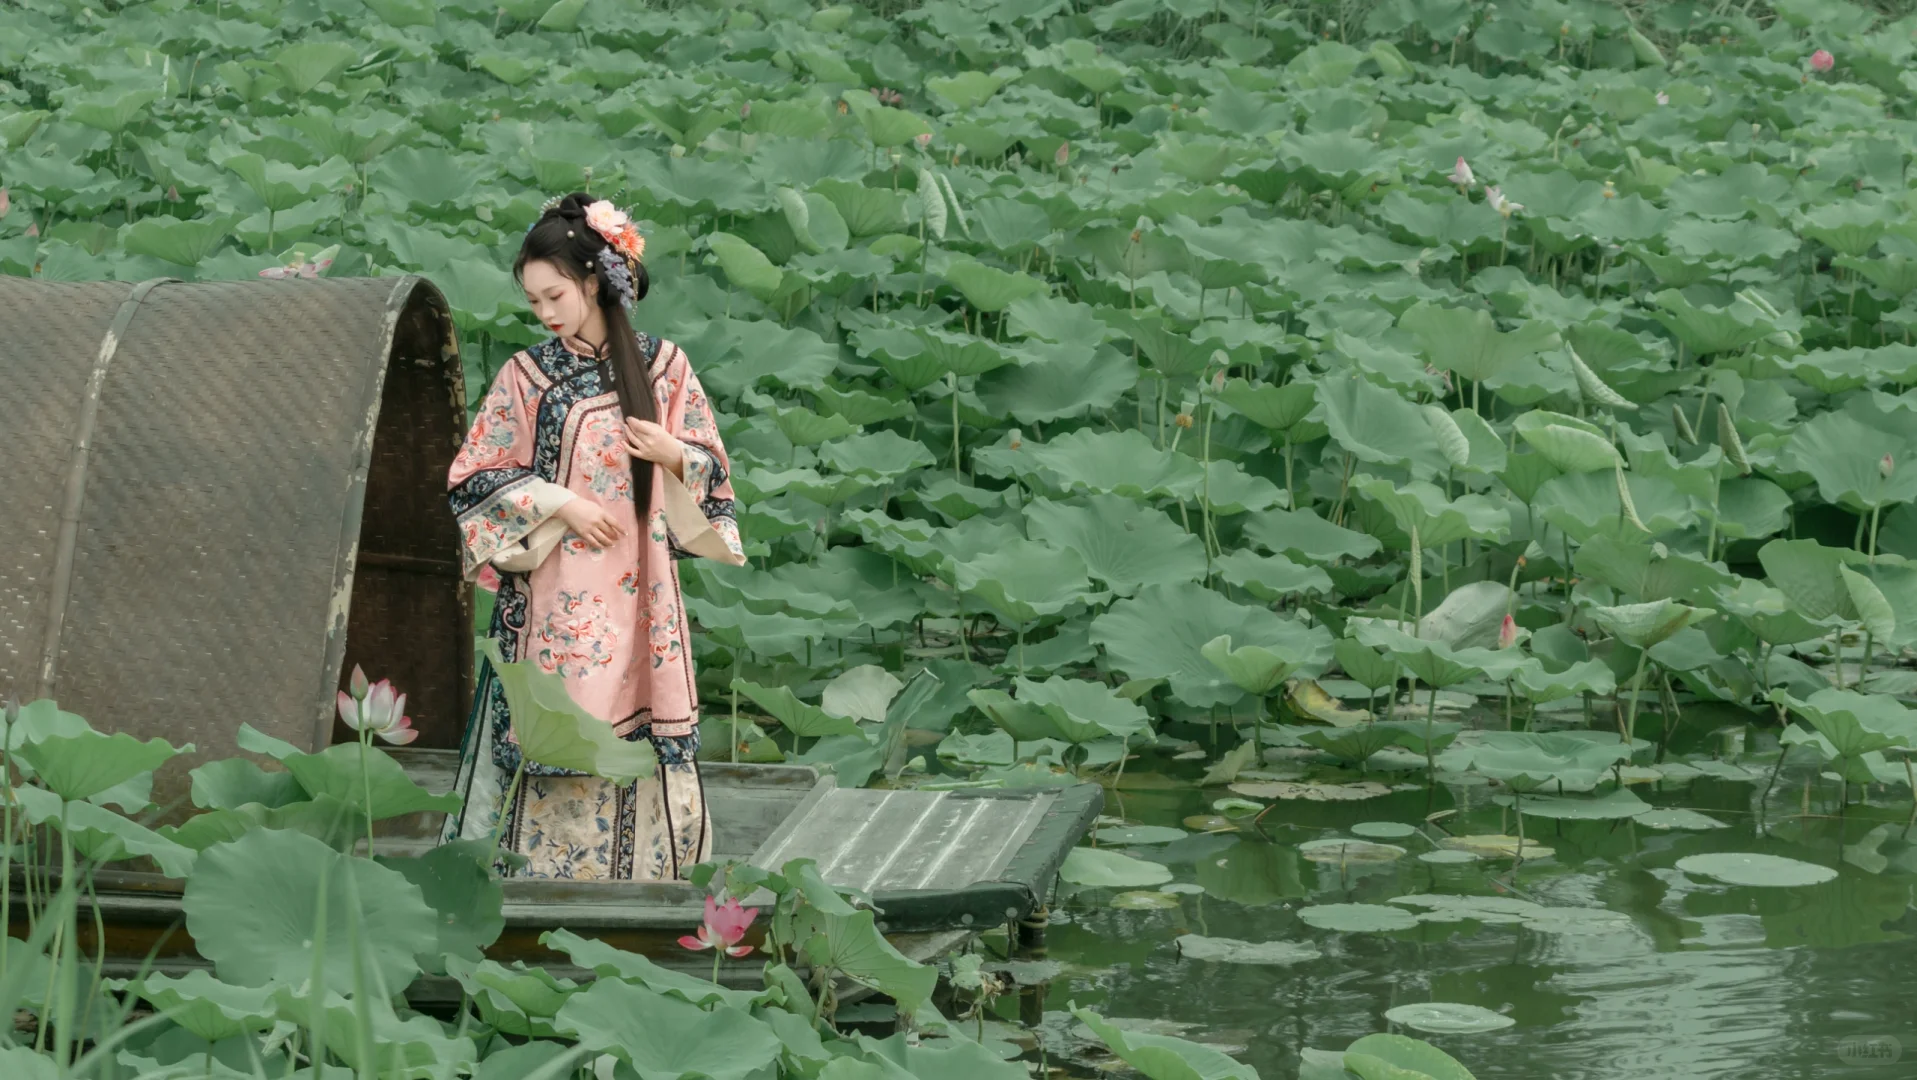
{"type": "Point", "coordinates": [581, 438]}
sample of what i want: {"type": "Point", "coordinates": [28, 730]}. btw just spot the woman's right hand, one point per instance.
{"type": "Point", "coordinates": [590, 522]}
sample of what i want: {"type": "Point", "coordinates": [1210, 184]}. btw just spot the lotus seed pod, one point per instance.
{"type": "Point", "coordinates": [1727, 439]}
{"type": "Point", "coordinates": [1683, 425]}
{"type": "Point", "coordinates": [1183, 420]}
{"type": "Point", "coordinates": [1886, 466]}
{"type": "Point", "coordinates": [1593, 388]}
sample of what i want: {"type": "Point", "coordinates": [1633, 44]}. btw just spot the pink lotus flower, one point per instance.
{"type": "Point", "coordinates": [1494, 196]}
{"type": "Point", "coordinates": [1063, 155]}
{"type": "Point", "coordinates": [923, 138]}
{"type": "Point", "coordinates": [1461, 174]}
{"type": "Point", "coordinates": [1887, 466]}
{"type": "Point", "coordinates": [724, 928]}
{"type": "Point", "coordinates": [1507, 632]}
{"type": "Point", "coordinates": [1663, 98]}
{"type": "Point", "coordinates": [378, 709]}
{"type": "Point", "coordinates": [1822, 60]}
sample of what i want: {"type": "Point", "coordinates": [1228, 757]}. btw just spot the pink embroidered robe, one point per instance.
{"type": "Point", "coordinates": [610, 621]}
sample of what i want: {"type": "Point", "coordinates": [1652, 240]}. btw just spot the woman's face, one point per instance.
{"type": "Point", "coordinates": [561, 303]}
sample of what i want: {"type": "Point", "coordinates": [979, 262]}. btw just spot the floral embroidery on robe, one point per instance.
{"type": "Point", "coordinates": [610, 621]}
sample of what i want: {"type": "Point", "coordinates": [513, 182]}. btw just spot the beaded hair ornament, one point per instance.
{"type": "Point", "coordinates": [624, 246]}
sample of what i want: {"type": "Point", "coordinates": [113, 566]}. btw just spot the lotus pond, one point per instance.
{"type": "Point", "coordinates": [1343, 429]}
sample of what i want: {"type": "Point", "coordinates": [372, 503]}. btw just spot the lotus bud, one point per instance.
{"type": "Point", "coordinates": [1461, 174]}
{"type": "Point", "coordinates": [676, 151]}
{"type": "Point", "coordinates": [745, 111]}
{"type": "Point", "coordinates": [1886, 465]}
{"type": "Point", "coordinates": [6, 202]}
{"type": "Point", "coordinates": [1683, 425]}
{"type": "Point", "coordinates": [1507, 632]}
{"type": "Point", "coordinates": [1624, 500]}
{"type": "Point", "coordinates": [1822, 61]}
{"type": "Point", "coordinates": [1728, 441]}
{"type": "Point", "coordinates": [172, 195]}
{"type": "Point", "coordinates": [1218, 383]}
{"type": "Point", "coordinates": [358, 685]}
{"type": "Point", "coordinates": [1610, 189]}
{"type": "Point", "coordinates": [1017, 439]}
{"type": "Point", "coordinates": [923, 138]}
{"type": "Point", "coordinates": [1063, 154]}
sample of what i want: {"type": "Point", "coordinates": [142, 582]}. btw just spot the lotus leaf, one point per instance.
{"type": "Point", "coordinates": [1082, 711]}
{"type": "Point", "coordinates": [1644, 625]}
{"type": "Point", "coordinates": [1357, 918]}
{"type": "Point", "coordinates": [1109, 869]}
{"type": "Point", "coordinates": [1340, 851]}
{"type": "Point", "coordinates": [1610, 806]}
{"type": "Point", "coordinates": [1448, 1018]}
{"type": "Point", "coordinates": [1231, 951]}
{"type": "Point", "coordinates": [1755, 869]}
{"type": "Point", "coordinates": [549, 726]}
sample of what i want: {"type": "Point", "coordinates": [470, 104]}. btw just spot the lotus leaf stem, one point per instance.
{"type": "Point", "coordinates": [1430, 716]}
{"type": "Point", "coordinates": [1627, 724]}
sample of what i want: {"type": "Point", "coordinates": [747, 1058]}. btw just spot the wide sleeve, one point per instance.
{"type": "Point", "coordinates": [702, 512]}
{"type": "Point", "coordinates": [505, 509]}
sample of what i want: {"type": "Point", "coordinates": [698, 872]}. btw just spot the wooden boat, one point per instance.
{"type": "Point", "coordinates": [941, 866]}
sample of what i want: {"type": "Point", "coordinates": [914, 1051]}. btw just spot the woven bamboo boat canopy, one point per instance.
{"type": "Point", "coordinates": [219, 497]}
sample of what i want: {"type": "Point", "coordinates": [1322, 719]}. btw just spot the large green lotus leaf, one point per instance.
{"type": "Point", "coordinates": [417, 1047]}
{"type": "Point", "coordinates": [1439, 521]}
{"type": "Point", "coordinates": [1276, 407]}
{"type": "Point", "coordinates": [232, 782]}
{"type": "Point", "coordinates": [1443, 219]}
{"type": "Point", "coordinates": [255, 908]}
{"type": "Point", "coordinates": [1769, 614]}
{"type": "Point", "coordinates": [1119, 463]}
{"type": "Point", "coordinates": [1705, 330]}
{"type": "Point", "coordinates": [110, 110]}
{"type": "Point", "coordinates": [1164, 1057]}
{"type": "Point", "coordinates": [1162, 633]}
{"type": "Point", "coordinates": [1084, 709]}
{"type": "Point", "coordinates": [746, 266]}
{"type": "Point", "coordinates": [1857, 723]}
{"type": "Point", "coordinates": [852, 945]}
{"type": "Point", "coordinates": [1353, 744]}
{"type": "Point", "coordinates": [1125, 545]}
{"type": "Point", "coordinates": [337, 771]}
{"type": "Point", "coordinates": [1436, 663]}
{"type": "Point", "coordinates": [1755, 870]}
{"type": "Point", "coordinates": [661, 1036]}
{"type": "Point", "coordinates": [175, 240]}
{"type": "Point", "coordinates": [84, 764]}
{"type": "Point", "coordinates": [1052, 382]}
{"type": "Point", "coordinates": [1873, 608]}
{"type": "Point", "coordinates": [1022, 720]}
{"type": "Point", "coordinates": [310, 63]}
{"type": "Point", "coordinates": [101, 834]}
{"type": "Point", "coordinates": [1751, 508]}
{"type": "Point", "coordinates": [1026, 580]}
{"type": "Point", "coordinates": [425, 177]}
{"type": "Point", "coordinates": [400, 14]}
{"type": "Point", "coordinates": [1740, 242]}
{"type": "Point", "coordinates": [965, 354]}
{"type": "Point", "coordinates": [457, 882]}
{"type": "Point", "coordinates": [1053, 318]}
{"type": "Point", "coordinates": [1584, 505]}
{"type": "Point", "coordinates": [1806, 572]}
{"type": "Point", "coordinates": [1260, 669]}
{"type": "Point", "coordinates": [1101, 868]}
{"type": "Point", "coordinates": [1375, 425]}
{"type": "Point", "coordinates": [867, 211]}
{"type": "Point", "coordinates": [611, 963]}
{"type": "Point", "coordinates": [338, 825]}
{"type": "Point", "coordinates": [1405, 1057]}
{"type": "Point", "coordinates": [862, 693]}
{"type": "Point", "coordinates": [552, 729]}
{"type": "Point", "coordinates": [902, 354]}
{"type": "Point", "coordinates": [1844, 455]}
{"type": "Point", "coordinates": [1584, 677]}
{"type": "Point", "coordinates": [1610, 806]}
{"type": "Point", "coordinates": [1272, 578]}
{"type": "Point", "coordinates": [516, 1000]}
{"type": "Point", "coordinates": [988, 288]}
{"type": "Point", "coordinates": [1650, 572]}
{"type": "Point", "coordinates": [969, 89]}
{"type": "Point", "coordinates": [281, 186]}
{"type": "Point", "coordinates": [1467, 342]}
{"type": "Point", "coordinates": [1528, 760]}
{"type": "Point", "coordinates": [879, 455]}
{"type": "Point", "coordinates": [205, 1006]}
{"type": "Point", "coordinates": [1644, 625]}
{"type": "Point", "coordinates": [1569, 450]}
{"type": "Point", "coordinates": [1302, 534]}
{"type": "Point", "coordinates": [1850, 226]}
{"type": "Point", "coordinates": [1365, 665]}
{"type": "Point", "coordinates": [801, 719]}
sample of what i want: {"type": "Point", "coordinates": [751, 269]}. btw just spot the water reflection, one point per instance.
{"type": "Point", "coordinates": [1703, 981]}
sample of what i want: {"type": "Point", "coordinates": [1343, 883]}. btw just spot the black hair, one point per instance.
{"type": "Point", "coordinates": [562, 238]}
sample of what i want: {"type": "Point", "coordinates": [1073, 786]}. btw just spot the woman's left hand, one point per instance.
{"type": "Point", "coordinates": [650, 441]}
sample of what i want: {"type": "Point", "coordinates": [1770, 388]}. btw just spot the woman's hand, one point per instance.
{"type": "Point", "coordinates": [590, 522]}
{"type": "Point", "coordinates": [650, 441]}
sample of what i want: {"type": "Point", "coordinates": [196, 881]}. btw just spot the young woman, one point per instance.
{"type": "Point", "coordinates": [593, 465]}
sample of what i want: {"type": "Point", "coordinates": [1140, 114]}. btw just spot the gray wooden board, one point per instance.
{"type": "Point", "coordinates": [880, 841]}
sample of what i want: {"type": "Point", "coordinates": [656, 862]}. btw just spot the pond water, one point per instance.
{"type": "Point", "coordinates": [1691, 978]}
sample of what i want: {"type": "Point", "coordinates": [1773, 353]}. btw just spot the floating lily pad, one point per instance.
{"type": "Point", "coordinates": [1097, 867]}
{"type": "Point", "coordinates": [1751, 868]}
{"type": "Point", "coordinates": [1578, 920]}
{"type": "Point", "coordinates": [1210, 823]}
{"type": "Point", "coordinates": [1284, 789]}
{"type": "Point", "coordinates": [1447, 856]}
{"type": "Point", "coordinates": [1144, 901]}
{"type": "Point", "coordinates": [1491, 910]}
{"type": "Point", "coordinates": [1610, 806]}
{"type": "Point", "coordinates": [1182, 888]}
{"type": "Point", "coordinates": [1383, 830]}
{"type": "Point", "coordinates": [1357, 918]}
{"type": "Point", "coordinates": [1495, 846]}
{"type": "Point", "coordinates": [1233, 951]}
{"type": "Point", "coordinates": [1139, 834]}
{"type": "Point", "coordinates": [1448, 1018]}
{"type": "Point", "coordinates": [1676, 817]}
{"type": "Point", "coordinates": [1350, 851]}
